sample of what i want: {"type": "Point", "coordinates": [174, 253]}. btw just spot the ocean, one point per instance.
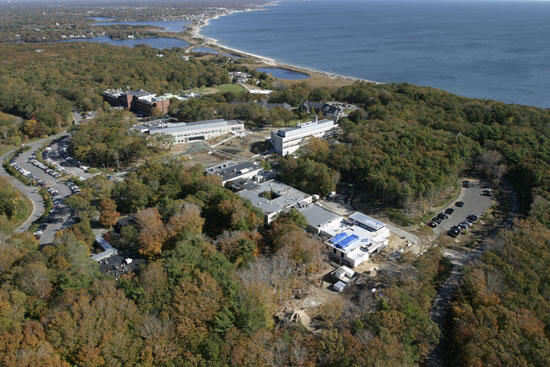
{"type": "Point", "coordinates": [484, 49]}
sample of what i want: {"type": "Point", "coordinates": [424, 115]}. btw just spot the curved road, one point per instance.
{"type": "Point", "coordinates": [30, 191]}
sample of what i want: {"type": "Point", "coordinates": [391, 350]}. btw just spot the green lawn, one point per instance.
{"type": "Point", "coordinates": [224, 88]}
{"type": "Point", "coordinates": [234, 88]}
{"type": "Point", "coordinates": [5, 148]}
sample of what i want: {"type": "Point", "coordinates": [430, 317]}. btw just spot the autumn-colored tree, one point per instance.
{"type": "Point", "coordinates": [107, 212]}
{"type": "Point", "coordinates": [34, 280]}
{"type": "Point", "coordinates": [238, 247]}
{"type": "Point", "coordinates": [151, 232]}
{"type": "Point", "coordinates": [196, 303]}
{"type": "Point", "coordinates": [239, 217]}
{"type": "Point", "coordinates": [26, 346]}
{"type": "Point", "coordinates": [187, 219]}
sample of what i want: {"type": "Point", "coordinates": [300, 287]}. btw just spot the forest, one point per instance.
{"type": "Point", "coordinates": [109, 141]}
{"type": "Point", "coordinates": [501, 316]}
{"type": "Point", "coordinates": [14, 206]}
{"type": "Point", "coordinates": [57, 78]}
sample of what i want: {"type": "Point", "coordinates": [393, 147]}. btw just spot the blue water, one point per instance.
{"type": "Point", "coordinates": [283, 73]}
{"type": "Point", "coordinates": [208, 50]}
{"type": "Point", "coordinates": [155, 42]}
{"type": "Point", "coordinates": [486, 49]}
{"type": "Point", "coordinates": [167, 26]}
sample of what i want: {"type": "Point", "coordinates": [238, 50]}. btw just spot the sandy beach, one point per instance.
{"type": "Point", "coordinates": [195, 32]}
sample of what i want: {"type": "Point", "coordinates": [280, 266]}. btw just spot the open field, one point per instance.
{"type": "Point", "coordinates": [224, 88]}
{"type": "Point", "coordinates": [223, 148]}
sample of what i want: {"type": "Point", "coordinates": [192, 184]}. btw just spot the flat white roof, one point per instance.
{"type": "Point", "coordinates": [370, 222]}
{"type": "Point", "coordinates": [318, 216]}
{"type": "Point", "coordinates": [181, 127]}
{"type": "Point", "coordinates": [305, 128]}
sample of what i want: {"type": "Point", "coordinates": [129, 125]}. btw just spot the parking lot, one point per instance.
{"type": "Point", "coordinates": [60, 217]}
{"type": "Point", "coordinates": [56, 153]}
{"type": "Point", "coordinates": [474, 203]}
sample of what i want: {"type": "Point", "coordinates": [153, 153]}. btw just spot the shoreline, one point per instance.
{"type": "Point", "coordinates": [195, 32]}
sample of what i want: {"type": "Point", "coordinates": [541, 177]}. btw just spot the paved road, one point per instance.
{"type": "Point", "coordinates": [441, 307]}
{"type": "Point", "coordinates": [30, 191]}
{"type": "Point", "coordinates": [474, 203]}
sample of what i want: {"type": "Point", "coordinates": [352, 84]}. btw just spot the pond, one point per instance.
{"type": "Point", "coordinates": [155, 42]}
{"type": "Point", "coordinates": [281, 73]}
{"type": "Point", "coordinates": [209, 50]}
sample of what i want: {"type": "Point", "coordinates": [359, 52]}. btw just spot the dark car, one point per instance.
{"type": "Point", "coordinates": [42, 226]}
{"type": "Point", "coordinates": [472, 218]}
{"type": "Point", "coordinates": [466, 183]}
{"type": "Point", "coordinates": [486, 193]}
{"type": "Point", "coordinates": [449, 211]}
{"type": "Point", "coordinates": [454, 231]}
{"type": "Point", "coordinates": [432, 224]}
{"type": "Point", "coordinates": [463, 225]}
{"type": "Point", "coordinates": [442, 216]}
{"type": "Point", "coordinates": [460, 204]}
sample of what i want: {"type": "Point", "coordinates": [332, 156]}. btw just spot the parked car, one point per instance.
{"type": "Point", "coordinates": [449, 211]}
{"type": "Point", "coordinates": [486, 193]}
{"type": "Point", "coordinates": [460, 204]}
{"type": "Point", "coordinates": [472, 218]}
{"type": "Point", "coordinates": [466, 183]}
{"type": "Point", "coordinates": [432, 224]}
{"type": "Point", "coordinates": [454, 231]}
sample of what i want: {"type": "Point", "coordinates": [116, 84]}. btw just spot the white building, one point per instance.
{"type": "Point", "coordinates": [273, 197]}
{"type": "Point", "coordinates": [200, 130]}
{"type": "Point", "coordinates": [286, 141]}
{"type": "Point", "coordinates": [239, 76]}
{"type": "Point", "coordinates": [231, 171]}
{"type": "Point", "coordinates": [354, 239]}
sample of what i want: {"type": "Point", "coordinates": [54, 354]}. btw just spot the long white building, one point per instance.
{"type": "Point", "coordinates": [200, 130]}
{"type": "Point", "coordinates": [287, 141]}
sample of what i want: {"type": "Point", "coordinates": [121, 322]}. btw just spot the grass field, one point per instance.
{"type": "Point", "coordinates": [224, 88]}
{"type": "Point", "coordinates": [5, 148]}
{"type": "Point", "coordinates": [234, 88]}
